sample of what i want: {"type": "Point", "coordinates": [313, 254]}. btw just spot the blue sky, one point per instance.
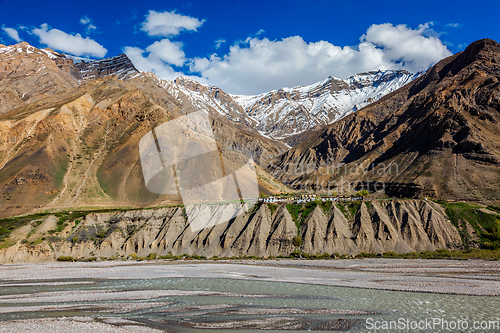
{"type": "Point", "coordinates": [255, 46]}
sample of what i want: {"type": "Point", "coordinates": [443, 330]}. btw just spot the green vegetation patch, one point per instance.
{"type": "Point", "coordinates": [65, 258]}
{"type": "Point", "coordinates": [272, 208]}
{"type": "Point", "coordinates": [343, 209]}
{"type": "Point", "coordinates": [170, 256]}
{"type": "Point", "coordinates": [485, 254]}
{"type": "Point", "coordinates": [362, 193]}
{"type": "Point", "coordinates": [38, 241]}
{"type": "Point", "coordinates": [306, 210]}
{"type": "Point", "coordinates": [255, 207]}
{"type": "Point", "coordinates": [316, 256]}
{"type": "Point", "coordinates": [6, 243]}
{"type": "Point", "coordinates": [494, 208]}
{"type": "Point", "coordinates": [326, 206]}
{"type": "Point", "coordinates": [300, 212]}
{"type": "Point", "coordinates": [7, 225]}
{"type": "Point", "coordinates": [354, 207]}
{"type": "Point", "coordinates": [486, 226]}
{"type": "Point", "coordinates": [297, 241]}
{"type": "Point", "coordinates": [294, 211]}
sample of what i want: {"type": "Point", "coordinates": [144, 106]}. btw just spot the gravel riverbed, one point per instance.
{"type": "Point", "coordinates": [31, 290]}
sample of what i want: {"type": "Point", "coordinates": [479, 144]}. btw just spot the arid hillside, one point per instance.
{"type": "Point", "coordinates": [440, 134]}
{"type": "Point", "coordinates": [77, 143]}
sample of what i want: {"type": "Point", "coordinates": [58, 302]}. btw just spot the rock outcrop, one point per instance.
{"type": "Point", "coordinates": [121, 66]}
{"type": "Point", "coordinates": [376, 227]}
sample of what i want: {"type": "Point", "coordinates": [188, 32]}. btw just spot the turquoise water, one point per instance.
{"type": "Point", "coordinates": [243, 299]}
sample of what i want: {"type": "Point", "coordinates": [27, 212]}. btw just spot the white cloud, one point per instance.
{"type": "Point", "coordinates": [85, 20]}
{"type": "Point", "coordinates": [259, 65]}
{"type": "Point", "coordinates": [167, 24]}
{"type": "Point", "coordinates": [219, 42]}
{"type": "Point", "coordinates": [453, 25]}
{"type": "Point", "coordinates": [74, 44]}
{"type": "Point", "coordinates": [90, 28]}
{"type": "Point", "coordinates": [167, 51]}
{"type": "Point", "coordinates": [402, 44]}
{"type": "Point", "coordinates": [12, 33]}
{"type": "Point", "coordinates": [426, 30]}
{"type": "Point", "coordinates": [151, 63]}
{"type": "Point", "coordinates": [160, 56]}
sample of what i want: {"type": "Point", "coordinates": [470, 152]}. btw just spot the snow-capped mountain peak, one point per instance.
{"type": "Point", "coordinates": [287, 111]}
{"type": "Point", "coordinates": [25, 48]}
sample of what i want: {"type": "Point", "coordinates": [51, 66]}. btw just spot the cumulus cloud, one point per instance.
{"type": "Point", "coordinates": [158, 58]}
{"type": "Point", "coordinates": [85, 20]}
{"type": "Point", "coordinates": [168, 51]}
{"type": "Point", "coordinates": [12, 33]}
{"type": "Point", "coordinates": [155, 60]}
{"type": "Point", "coordinates": [167, 24]}
{"type": "Point", "coordinates": [411, 47]}
{"type": "Point", "coordinates": [74, 44]}
{"type": "Point", "coordinates": [259, 64]}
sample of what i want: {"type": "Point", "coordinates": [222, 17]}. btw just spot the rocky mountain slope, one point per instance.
{"type": "Point", "coordinates": [121, 66]}
{"type": "Point", "coordinates": [75, 142]}
{"type": "Point", "coordinates": [28, 74]}
{"type": "Point", "coordinates": [282, 113]}
{"type": "Point", "coordinates": [376, 227]}
{"type": "Point", "coordinates": [440, 133]}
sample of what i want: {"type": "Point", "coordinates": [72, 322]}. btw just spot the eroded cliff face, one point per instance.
{"type": "Point", "coordinates": [380, 226]}
{"type": "Point", "coordinates": [400, 226]}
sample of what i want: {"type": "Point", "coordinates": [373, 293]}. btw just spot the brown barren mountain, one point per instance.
{"type": "Point", "coordinates": [28, 74]}
{"type": "Point", "coordinates": [75, 143]}
{"type": "Point", "coordinates": [438, 136]}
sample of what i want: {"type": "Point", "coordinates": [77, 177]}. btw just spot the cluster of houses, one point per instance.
{"type": "Point", "coordinates": [304, 198]}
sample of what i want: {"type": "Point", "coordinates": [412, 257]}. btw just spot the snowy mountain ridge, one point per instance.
{"type": "Point", "coordinates": [24, 47]}
{"type": "Point", "coordinates": [120, 65]}
{"type": "Point", "coordinates": [288, 111]}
